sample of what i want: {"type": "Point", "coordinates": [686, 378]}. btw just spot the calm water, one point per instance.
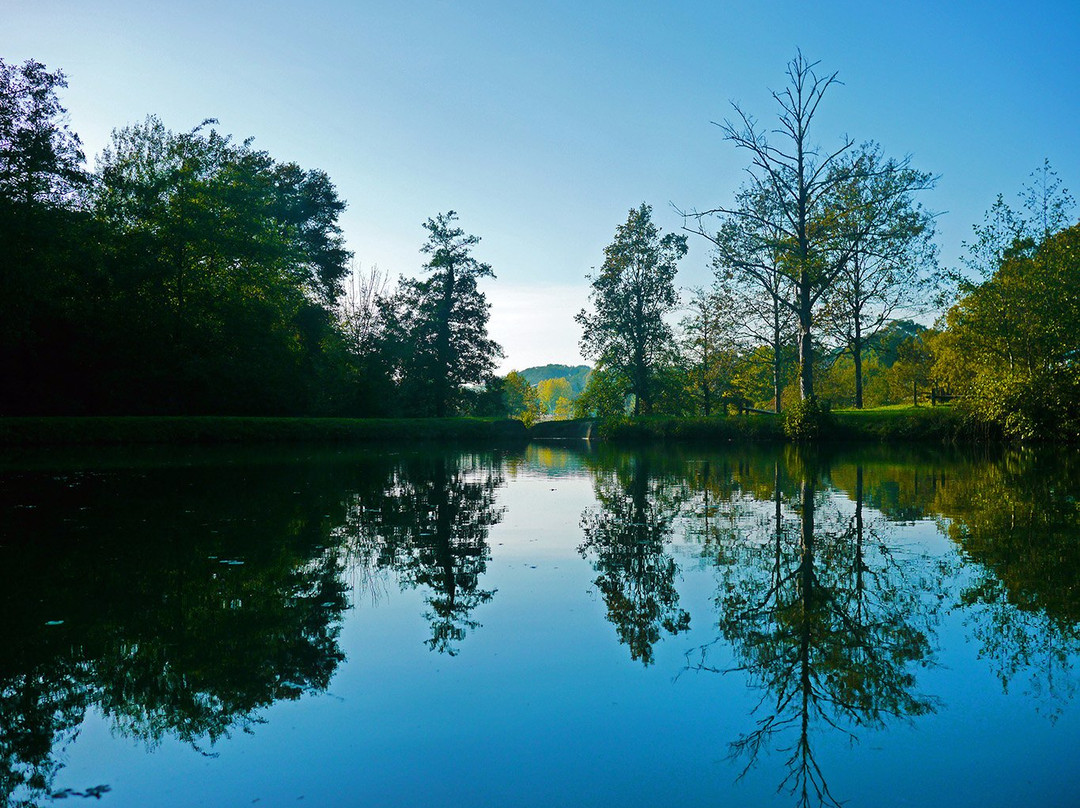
{"type": "Point", "coordinates": [540, 628]}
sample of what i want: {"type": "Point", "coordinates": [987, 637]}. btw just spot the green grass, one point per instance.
{"type": "Point", "coordinates": [75, 431]}
{"type": "Point", "coordinates": [901, 423]}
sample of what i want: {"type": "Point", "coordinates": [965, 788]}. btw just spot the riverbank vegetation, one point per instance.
{"type": "Point", "coordinates": [192, 430]}
{"type": "Point", "coordinates": [191, 274]}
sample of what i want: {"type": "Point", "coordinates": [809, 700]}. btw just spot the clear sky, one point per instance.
{"type": "Point", "coordinates": [543, 123]}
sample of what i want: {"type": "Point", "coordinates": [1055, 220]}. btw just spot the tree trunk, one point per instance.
{"type": "Point", "coordinates": [776, 366]}
{"type": "Point", "coordinates": [806, 343]}
{"type": "Point", "coordinates": [856, 352]}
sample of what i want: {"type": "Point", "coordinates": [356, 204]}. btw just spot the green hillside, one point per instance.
{"type": "Point", "coordinates": [576, 375]}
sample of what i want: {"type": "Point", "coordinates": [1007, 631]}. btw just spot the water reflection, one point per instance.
{"type": "Point", "coordinates": [824, 617]}
{"type": "Point", "coordinates": [624, 536]}
{"type": "Point", "coordinates": [182, 624]}
{"type": "Point", "coordinates": [181, 599]}
{"type": "Point", "coordinates": [1017, 522]}
{"type": "Point", "coordinates": [428, 522]}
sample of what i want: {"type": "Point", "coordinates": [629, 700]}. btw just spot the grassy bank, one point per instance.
{"type": "Point", "coordinates": [885, 425]}
{"type": "Point", "coordinates": [209, 430]}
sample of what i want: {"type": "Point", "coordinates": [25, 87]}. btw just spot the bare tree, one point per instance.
{"type": "Point", "coordinates": [358, 310]}
{"type": "Point", "coordinates": [800, 221]}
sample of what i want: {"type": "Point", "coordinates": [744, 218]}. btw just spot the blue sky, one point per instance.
{"type": "Point", "coordinates": [543, 123]}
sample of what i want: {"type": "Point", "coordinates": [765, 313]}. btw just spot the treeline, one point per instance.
{"type": "Point", "coordinates": [820, 264]}
{"type": "Point", "coordinates": [193, 274]}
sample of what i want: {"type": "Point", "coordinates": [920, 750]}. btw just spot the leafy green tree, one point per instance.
{"type": "Point", "coordinates": [634, 291]}
{"type": "Point", "coordinates": [550, 391]}
{"type": "Point", "coordinates": [708, 348]}
{"type": "Point", "coordinates": [753, 283]}
{"type": "Point", "coordinates": [1010, 345]}
{"type": "Point", "coordinates": [228, 263]}
{"type": "Point", "coordinates": [439, 323]}
{"type": "Point", "coordinates": [913, 368]}
{"type": "Point", "coordinates": [52, 292]}
{"type": "Point", "coordinates": [604, 395]}
{"type": "Point", "coordinates": [41, 159]}
{"type": "Point", "coordinates": [789, 216]}
{"type": "Point", "coordinates": [891, 258]}
{"type": "Point", "coordinates": [522, 401]}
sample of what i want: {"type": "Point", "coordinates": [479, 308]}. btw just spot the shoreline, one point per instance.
{"type": "Point", "coordinates": [911, 425]}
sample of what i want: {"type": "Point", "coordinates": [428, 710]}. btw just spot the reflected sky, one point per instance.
{"type": "Point", "coordinates": [550, 626]}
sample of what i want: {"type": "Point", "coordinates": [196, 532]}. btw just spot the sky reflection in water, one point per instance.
{"type": "Point", "coordinates": [541, 627]}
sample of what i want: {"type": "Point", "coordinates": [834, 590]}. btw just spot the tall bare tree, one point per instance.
{"type": "Point", "coordinates": [801, 220]}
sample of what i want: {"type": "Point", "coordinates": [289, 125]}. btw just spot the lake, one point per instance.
{"type": "Point", "coordinates": [558, 625]}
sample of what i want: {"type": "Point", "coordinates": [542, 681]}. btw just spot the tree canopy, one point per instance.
{"type": "Point", "coordinates": [634, 291]}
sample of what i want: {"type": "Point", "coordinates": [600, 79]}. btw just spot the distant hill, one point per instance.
{"type": "Point", "coordinates": [576, 375]}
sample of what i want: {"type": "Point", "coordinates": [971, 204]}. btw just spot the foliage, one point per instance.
{"type": "Point", "coordinates": [578, 375]}
{"type": "Point", "coordinates": [41, 159]}
{"type": "Point", "coordinates": [635, 289]}
{"type": "Point", "coordinates": [1011, 347]}
{"type": "Point", "coordinates": [891, 262]}
{"type": "Point", "coordinates": [604, 395]}
{"type": "Point", "coordinates": [785, 233]}
{"type": "Point", "coordinates": [550, 391]}
{"type": "Point", "coordinates": [522, 402]}
{"type": "Point", "coordinates": [806, 421]}
{"type": "Point", "coordinates": [437, 326]}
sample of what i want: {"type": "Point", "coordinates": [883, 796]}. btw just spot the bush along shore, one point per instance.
{"type": "Point", "coordinates": [890, 425]}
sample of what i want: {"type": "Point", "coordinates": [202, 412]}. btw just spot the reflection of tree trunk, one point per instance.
{"type": "Point", "coordinates": [860, 566]}
{"type": "Point", "coordinates": [779, 562]}
{"type": "Point", "coordinates": [806, 605]}
{"type": "Point", "coordinates": [778, 376]}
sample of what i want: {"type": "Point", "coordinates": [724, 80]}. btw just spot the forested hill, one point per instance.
{"type": "Point", "coordinates": [576, 375]}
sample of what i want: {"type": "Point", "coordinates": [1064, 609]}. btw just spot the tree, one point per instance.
{"type": "Point", "coordinates": [1008, 232]}
{"type": "Point", "coordinates": [550, 391]}
{"type": "Point", "coordinates": [754, 283]}
{"type": "Point", "coordinates": [522, 402]}
{"type": "Point", "coordinates": [441, 321]}
{"type": "Point", "coordinates": [226, 263]}
{"type": "Point", "coordinates": [795, 183]}
{"type": "Point", "coordinates": [631, 296]}
{"type": "Point", "coordinates": [1010, 347]}
{"type": "Point", "coordinates": [891, 256]}
{"type": "Point", "coordinates": [41, 159]}
{"type": "Point", "coordinates": [707, 348]}
{"type": "Point", "coordinates": [604, 395]}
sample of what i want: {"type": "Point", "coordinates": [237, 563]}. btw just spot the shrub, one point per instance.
{"type": "Point", "coordinates": [806, 420]}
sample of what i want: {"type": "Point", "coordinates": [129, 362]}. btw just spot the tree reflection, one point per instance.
{"type": "Point", "coordinates": [825, 619]}
{"type": "Point", "coordinates": [1017, 519]}
{"type": "Point", "coordinates": [163, 600]}
{"type": "Point", "coordinates": [429, 523]}
{"type": "Point", "coordinates": [626, 535]}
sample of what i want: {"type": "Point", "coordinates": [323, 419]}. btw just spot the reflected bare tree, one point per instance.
{"type": "Point", "coordinates": [826, 620]}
